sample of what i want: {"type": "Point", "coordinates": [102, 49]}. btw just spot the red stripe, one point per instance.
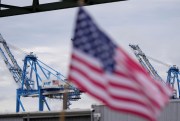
{"type": "Point", "coordinates": [132, 100]}
{"type": "Point", "coordinates": [95, 82]}
{"type": "Point", "coordinates": [76, 82]}
{"type": "Point", "coordinates": [95, 69]}
{"type": "Point", "coordinates": [129, 89]}
{"type": "Point", "coordinates": [159, 86]}
{"type": "Point", "coordinates": [141, 114]}
{"type": "Point", "coordinates": [131, 76]}
{"type": "Point", "coordinates": [150, 98]}
{"type": "Point", "coordinates": [131, 62]}
{"type": "Point", "coordinates": [84, 87]}
{"type": "Point", "coordinates": [120, 73]}
{"type": "Point", "coordinates": [126, 87]}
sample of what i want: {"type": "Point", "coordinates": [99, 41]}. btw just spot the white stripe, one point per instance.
{"type": "Point", "coordinates": [165, 88]}
{"type": "Point", "coordinates": [92, 61]}
{"type": "Point", "coordinates": [103, 94]}
{"type": "Point", "coordinates": [120, 67]}
{"type": "Point", "coordinates": [91, 73]}
{"type": "Point", "coordinates": [130, 106]}
{"type": "Point", "coordinates": [119, 56]}
{"type": "Point", "coordinates": [126, 93]}
{"type": "Point", "coordinates": [118, 79]}
{"type": "Point", "coordinates": [88, 84]}
{"type": "Point", "coordinates": [132, 95]}
{"type": "Point", "coordinates": [150, 89]}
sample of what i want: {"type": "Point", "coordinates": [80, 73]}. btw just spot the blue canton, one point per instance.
{"type": "Point", "coordinates": [89, 39]}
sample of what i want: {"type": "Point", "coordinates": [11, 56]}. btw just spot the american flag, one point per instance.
{"type": "Point", "coordinates": [55, 82]}
{"type": "Point", "coordinates": [108, 73]}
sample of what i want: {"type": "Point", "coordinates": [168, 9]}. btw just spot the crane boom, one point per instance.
{"type": "Point", "coordinates": [142, 58]}
{"type": "Point", "coordinates": [10, 54]}
{"type": "Point", "coordinates": [14, 68]}
{"type": "Point", "coordinates": [36, 79]}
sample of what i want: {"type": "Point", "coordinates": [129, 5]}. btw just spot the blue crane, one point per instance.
{"type": "Point", "coordinates": [173, 72]}
{"type": "Point", "coordinates": [36, 79]}
{"type": "Point", "coordinates": [174, 81]}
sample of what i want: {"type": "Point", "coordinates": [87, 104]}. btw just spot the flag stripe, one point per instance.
{"type": "Point", "coordinates": [81, 81]}
{"type": "Point", "coordinates": [128, 95]}
{"type": "Point", "coordinates": [141, 114]}
{"type": "Point", "coordinates": [140, 92]}
{"type": "Point", "coordinates": [88, 76]}
{"type": "Point", "coordinates": [94, 64]}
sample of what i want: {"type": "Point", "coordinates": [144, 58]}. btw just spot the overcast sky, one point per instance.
{"type": "Point", "coordinates": [153, 24]}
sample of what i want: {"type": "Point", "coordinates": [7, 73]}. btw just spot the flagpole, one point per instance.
{"type": "Point", "coordinates": [65, 95]}
{"type": "Point", "coordinates": [81, 2]}
{"type": "Point", "coordinates": [65, 100]}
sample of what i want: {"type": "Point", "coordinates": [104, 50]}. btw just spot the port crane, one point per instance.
{"type": "Point", "coordinates": [36, 79]}
{"type": "Point", "coordinates": [173, 72]}
{"type": "Point", "coordinates": [174, 81]}
{"type": "Point", "coordinates": [143, 60]}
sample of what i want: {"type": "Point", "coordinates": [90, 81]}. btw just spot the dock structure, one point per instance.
{"type": "Point", "coordinates": [71, 115]}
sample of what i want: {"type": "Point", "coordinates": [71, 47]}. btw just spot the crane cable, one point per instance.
{"type": "Point", "coordinates": [158, 61]}
{"type": "Point", "coordinates": [18, 49]}
{"type": "Point", "coordinates": [26, 53]}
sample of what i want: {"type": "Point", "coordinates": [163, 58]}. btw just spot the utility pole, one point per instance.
{"type": "Point", "coordinates": [65, 97]}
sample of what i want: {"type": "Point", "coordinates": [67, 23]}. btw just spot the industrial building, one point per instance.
{"type": "Point", "coordinates": [96, 113]}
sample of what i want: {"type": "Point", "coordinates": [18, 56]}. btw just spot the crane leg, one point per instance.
{"type": "Point", "coordinates": [41, 102]}
{"type": "Point", "coordinates": [18, 101]}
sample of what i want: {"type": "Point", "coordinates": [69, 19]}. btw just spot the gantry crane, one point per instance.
{"type": "Point", "coordinates": [37, 79]}
{"type": "Point", "coordinates": [173, 72]}
{"type": "Point", "coordinates": [174, 81]}
{"type": "Point", "coordinates": [143, 60]}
